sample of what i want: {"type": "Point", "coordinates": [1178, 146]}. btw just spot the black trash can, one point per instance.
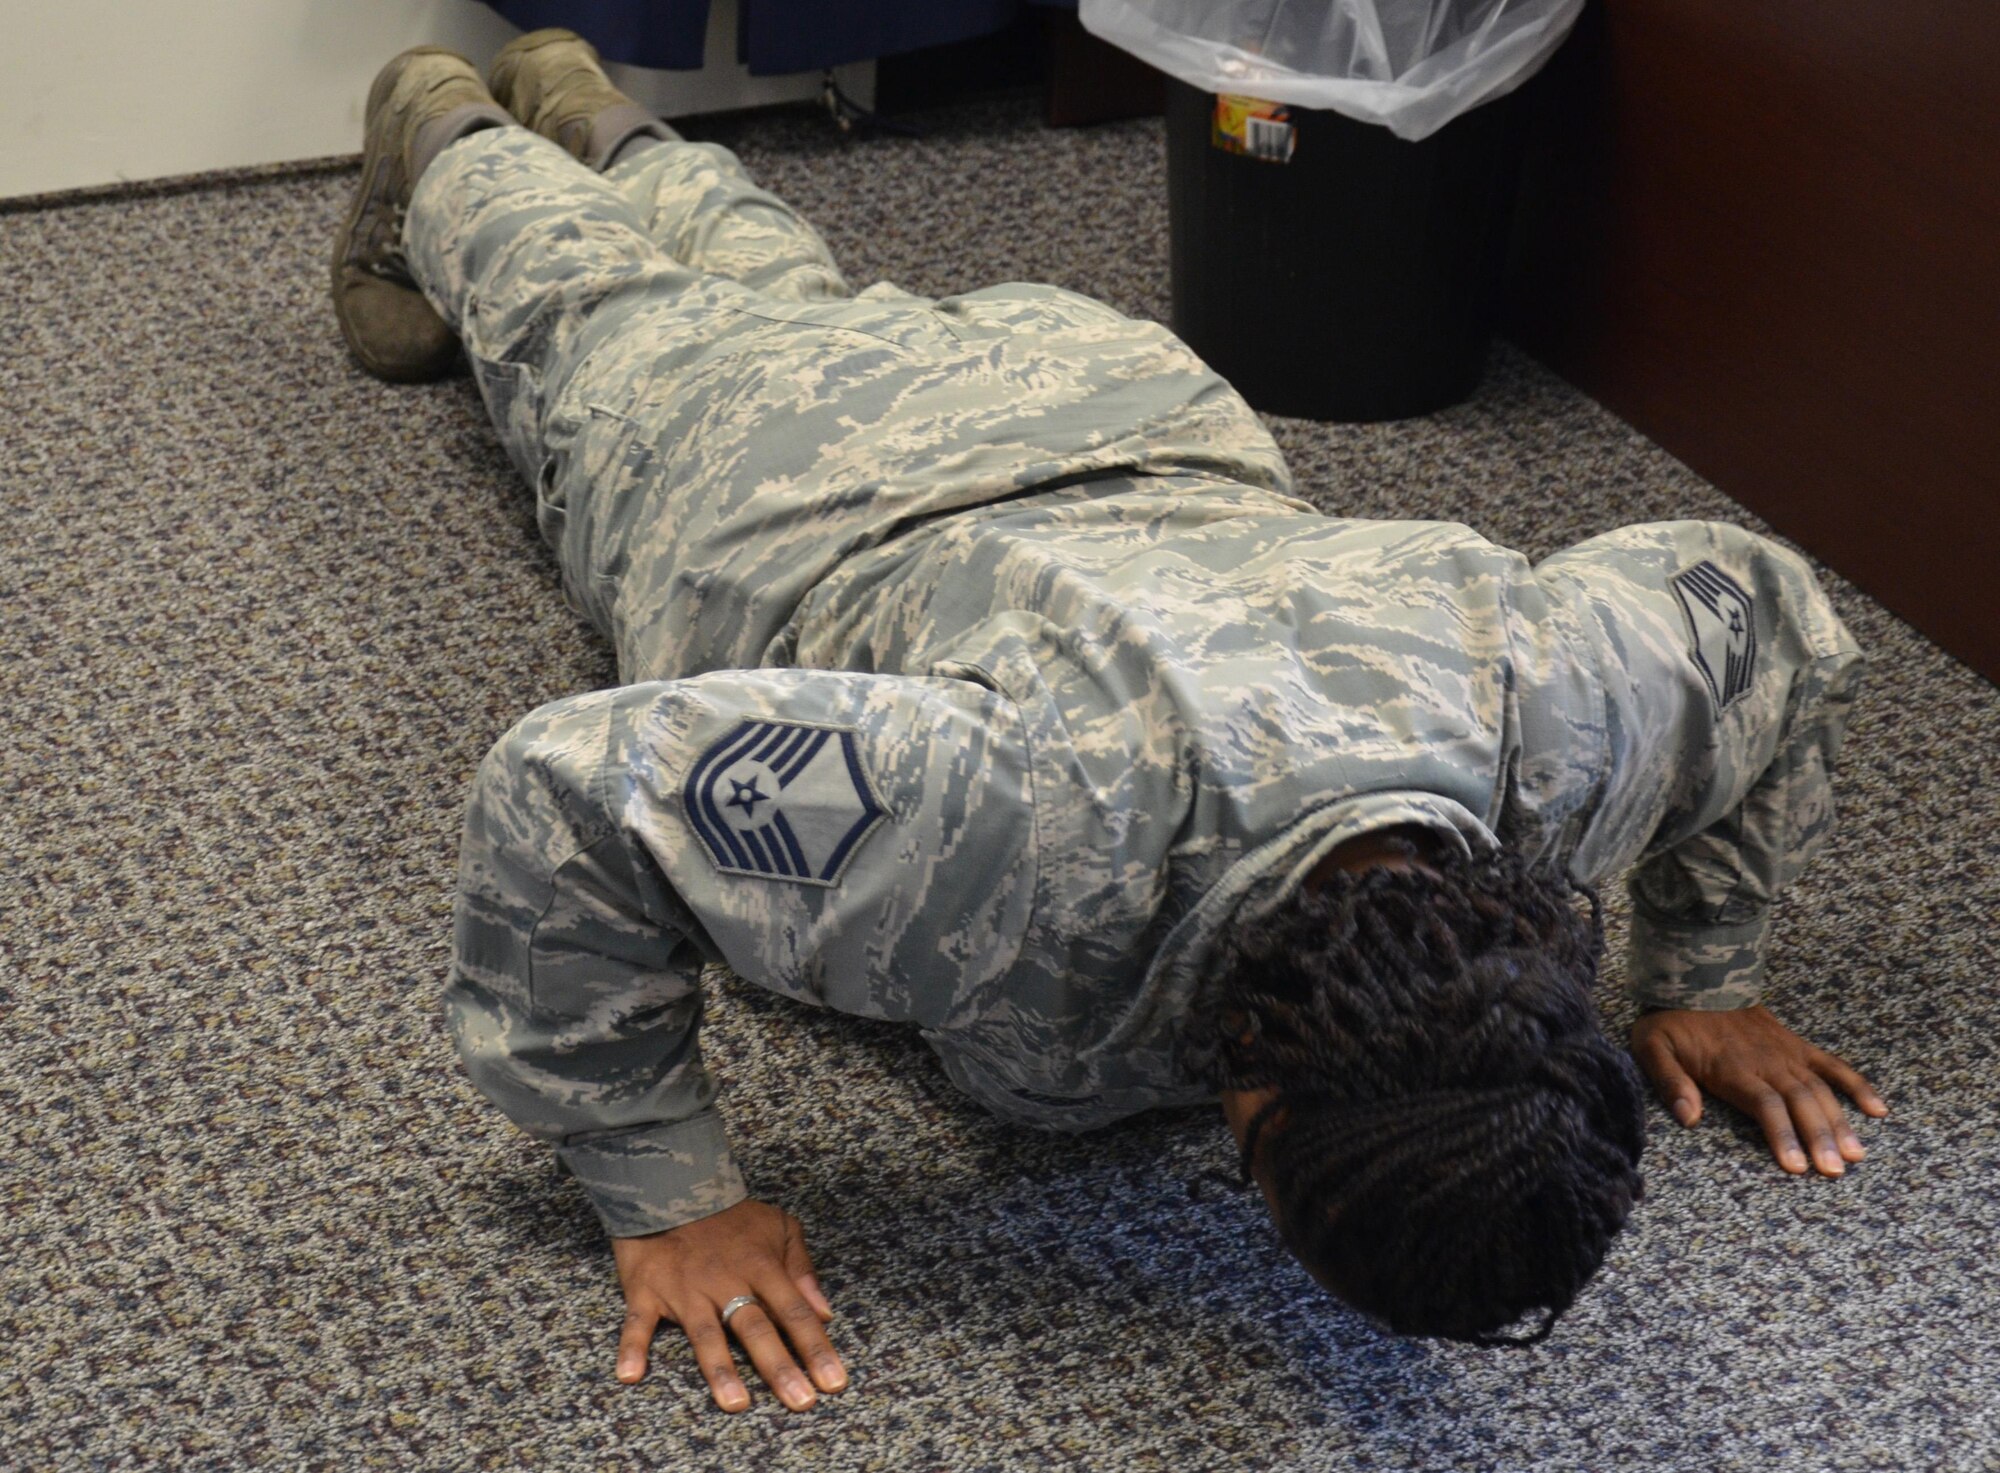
{"type": "Point", "coordinates": [1356, 279]}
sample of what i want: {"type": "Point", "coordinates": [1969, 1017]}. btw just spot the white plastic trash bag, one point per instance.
{"type": "Point", "coordinates": [1410, 65]}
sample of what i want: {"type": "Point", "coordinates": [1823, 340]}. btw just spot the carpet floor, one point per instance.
{"type": "Point", "coordinates": [262, 616]}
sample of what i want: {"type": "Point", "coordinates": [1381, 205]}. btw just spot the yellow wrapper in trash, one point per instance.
{"type": "Point", "coordinates": [1254, 128]}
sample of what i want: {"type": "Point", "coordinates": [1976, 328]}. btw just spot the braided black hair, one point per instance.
{"type": "Point", "coordinates": [1456, 1141]}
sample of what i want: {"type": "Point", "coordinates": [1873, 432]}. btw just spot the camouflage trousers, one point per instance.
{"type": "Point", "coordinates": [714, 422]}
{"type": "Point", "coordinates": [1099, 683]}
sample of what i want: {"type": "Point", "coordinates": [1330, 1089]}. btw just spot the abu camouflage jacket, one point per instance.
{"type": "Point", "coordinates": [982, 666]}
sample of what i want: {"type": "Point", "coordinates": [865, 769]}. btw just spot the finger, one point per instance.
{"type": "Point", "coordinates": [711, 1352]}
{"type": "Point", "coordinates": [800, 1321]}
{"type": "Point", "coordinates": [642, 1317]}
{"type": "Point", "coordinates": [1849, 1078]}
{"type": "Point", "coordinates": [755, 1332]}
{"type": "Point", "coordinates": [1814, 1129]}
{"type": "Point", "coordinates": [1677, 1089]}
{"type": "Point", "coordinates": [1767, 1107]}
{"type": "Point", "coordinates": [1844, 1137]}
{"type": "Point", "coordinates": [809, 1286]}
{"type": "Point", "coordinates": [798, 1263]}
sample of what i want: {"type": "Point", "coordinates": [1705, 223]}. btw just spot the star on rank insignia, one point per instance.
{"type": "Point", "coordinates": [783, 801]}
{"type": "Point", "coordinates": [1723, 620]}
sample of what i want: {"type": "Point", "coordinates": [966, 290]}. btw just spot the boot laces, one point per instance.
{"type": "Point", "coordinates": [385, 257]}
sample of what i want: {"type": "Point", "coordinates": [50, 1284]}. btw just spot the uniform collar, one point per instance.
{"type": "Point", "coordinates": [1261, 880]}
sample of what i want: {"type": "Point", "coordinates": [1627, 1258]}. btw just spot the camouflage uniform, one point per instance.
{"type": "Point", "coordinates": [982, 664]}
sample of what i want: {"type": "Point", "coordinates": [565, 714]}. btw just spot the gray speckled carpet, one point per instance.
{"type": "Point", "coordinates": [263, 614]}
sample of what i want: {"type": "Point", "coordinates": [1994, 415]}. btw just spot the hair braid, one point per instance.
{"type": "Point", "coordinates": [1453, 1142]}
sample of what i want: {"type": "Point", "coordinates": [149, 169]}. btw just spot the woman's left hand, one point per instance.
{"type": "Point", "coordinates": [1751, 1060]}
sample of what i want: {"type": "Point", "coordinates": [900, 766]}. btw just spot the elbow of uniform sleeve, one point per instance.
{"type": "Point", "coordinates": [1700, 965]}
{"type": "Point", "coordinates": [656, 1177]}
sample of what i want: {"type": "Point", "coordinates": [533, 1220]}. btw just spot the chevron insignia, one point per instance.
{"type": "Point", "coordinates": [1723, 621]}
{"type": "Point", "coordinates": [783, 801]}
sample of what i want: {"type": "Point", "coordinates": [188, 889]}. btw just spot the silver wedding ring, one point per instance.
{"type": "Point", "coordinates": [735, 1304]}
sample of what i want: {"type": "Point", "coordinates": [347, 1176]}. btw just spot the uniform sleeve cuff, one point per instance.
{"type": "Point", "coordinates": [1713, 968]}
{"type": "Point", "coordinates": [659, 1177]}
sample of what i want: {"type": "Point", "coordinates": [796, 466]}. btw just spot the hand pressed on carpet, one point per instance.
{"type": "Point", "coordinates": [689, 1273]}
{"type": "Point", "coordinates": [1754, 1062]}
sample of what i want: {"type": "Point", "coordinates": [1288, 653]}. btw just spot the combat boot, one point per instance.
{"type": "Point", "coordinates": [422, 100]}
{"type": "Point", "coordinates": [553, 82]}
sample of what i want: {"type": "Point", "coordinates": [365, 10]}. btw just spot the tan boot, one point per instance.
{"type": "Point", "coordinates": [421, 100]}
{"type": "Point", "coordinates": [553, 82]}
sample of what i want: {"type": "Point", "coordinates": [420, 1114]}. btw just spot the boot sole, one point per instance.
{"type": "Point", "coordinates": [374, 157]}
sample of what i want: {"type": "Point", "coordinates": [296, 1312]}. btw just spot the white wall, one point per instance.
{"type": "Point", "coordinates": [95, 91]}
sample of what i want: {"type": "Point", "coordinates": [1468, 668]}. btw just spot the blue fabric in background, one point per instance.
{"type": "Point", "coordinates": [773, 36]}
{"type": "Point", "coordinates": [654, 33]}
{"type": "Point", "coordinates": [799, 35]}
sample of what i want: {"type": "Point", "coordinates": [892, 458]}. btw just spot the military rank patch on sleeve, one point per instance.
{"type": "Point", "coordinates": [783, 801]}
{"type": "Point", "coordinates": [1722, 619]}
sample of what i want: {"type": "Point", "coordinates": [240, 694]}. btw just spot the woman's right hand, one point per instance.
{"type": "Point", "coordinates": [688, 1273]}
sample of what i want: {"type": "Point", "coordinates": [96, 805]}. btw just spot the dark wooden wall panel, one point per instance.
{"type": "Point", "coordinates": [1768, 236]}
